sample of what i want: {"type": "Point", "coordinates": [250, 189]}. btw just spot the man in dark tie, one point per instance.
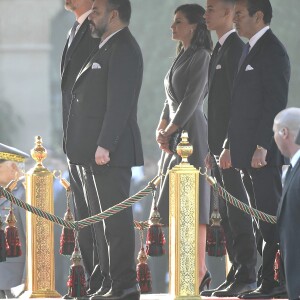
{"type": "Point", "coordinates": [103, 140]}
{"type": "Point", "coordinates": [260, 91]}
{"type": "Point", "coordinates": [286, 126]}
{"type": "Point", "coordinates": [240, 241]}
{"type": "Point", "coordinates": [78, 47]}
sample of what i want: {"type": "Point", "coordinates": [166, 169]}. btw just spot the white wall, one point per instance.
{"type": "Point", "coordinates": [24, 65]}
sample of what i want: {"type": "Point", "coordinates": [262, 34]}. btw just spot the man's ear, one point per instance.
{"type": "Point", "coordinates": [284, 132]}
{"type": "Point", "coordinates": [259, 16]}
{"type": "Point", "coordinates": [114, 15]}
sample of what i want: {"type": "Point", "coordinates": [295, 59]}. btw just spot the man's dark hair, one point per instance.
{"type": "Point", "coordinates": [123, 7]}
{"type": "Point", "coordinates": [260, 5]}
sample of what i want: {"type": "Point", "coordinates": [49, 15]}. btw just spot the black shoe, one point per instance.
{"type": "Point", "coordinates": [66, 296]}
{"type": "Point", "coordinates": [223, 286]}
{"type": "Point", "coordinates": [263, 292]}
{"type": "Point", "coordinates": [205, 281]}
{"type": "Point", "coordinates": [132, 293]}
{"type": "Point", "coordinates": [235, 289]}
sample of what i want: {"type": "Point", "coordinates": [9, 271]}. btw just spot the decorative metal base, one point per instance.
{"type": "Point", "coordinates": [40, 294]}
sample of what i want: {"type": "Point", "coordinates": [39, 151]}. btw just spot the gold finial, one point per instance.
{"type": "Point", "coordinates": [11, 219]}
{"type": "Point", "coordinates": [184, 148]}
{"type": "Point", "coordinates": [76, 257]}
{"type": "Point", "coordinates": [38, 153]}
{"type": "Point", "coordinates": [142, 256]}
{"type": "Point", "coordinates": [69, 216]}
{"type": "Point", "coordinates": [215, 218]}
{"type": "Point", "coordinates": [155, 216]}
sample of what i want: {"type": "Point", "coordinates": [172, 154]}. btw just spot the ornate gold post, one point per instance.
{"type": "Point", "coordinates": [184, 222]}
{"type": "Point", "coordinates": [40, 232]}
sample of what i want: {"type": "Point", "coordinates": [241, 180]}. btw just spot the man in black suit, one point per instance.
{"type": "Point", "coordinates": [286, 127]}
{"type": "Point", "coordinates": [77, 49]}
{"type": "Point", "coordinates": [104, 141]}
{"type": "Point", "coordinates": [240, 241]}
{"type": "Point", "coordinates": [260, 91]}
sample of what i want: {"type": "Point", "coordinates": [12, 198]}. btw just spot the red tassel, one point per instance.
{"type": "Point", "coordinates": [12, 237]}
{"type": "Point", "coordinates": [67, 241]}
{"type": "Point", "coordinates": [277, 266]}
{"type": "Point", "coordinates": [155, 236]}
{"type": "Point", "coordinates": [143, 273]}
{"type": "Point", "coordinates": [3, 244]}
{"type": "Point", "coordinates": [76, 280]}
{"type": "Point", "coordinates": [67, 238]}
{"type": "Point", "coordinates": [215, 242]}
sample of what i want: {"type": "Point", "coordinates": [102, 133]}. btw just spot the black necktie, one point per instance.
{"type": "Point", "coordinates": [215, 51]}
{"type": "Point", "coordinates": [72, 34]}
{"type": "Point", "coordinates": [244, 54]}
{"type": "Point", "coordinates": [214, 56]}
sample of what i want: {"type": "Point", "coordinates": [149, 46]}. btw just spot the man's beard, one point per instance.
{"type": "Point", "coordinates": [97, 32]}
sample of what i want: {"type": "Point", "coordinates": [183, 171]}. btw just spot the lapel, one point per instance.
{"type": "Point", "coordinates": [253, 52]}
{"type": "Point", "coordinates": [179, 61]}
{"type": "Point", "coordinates": [218, 57]}
{"type": "Point", "coordinates": [94, 55]}
{"type": "Point", "coordinates": [287, 184]}
{"type": "Point", "coordinates": [68, 51]}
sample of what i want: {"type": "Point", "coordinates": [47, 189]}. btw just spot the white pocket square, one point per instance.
{"type": "Point", "coordinates": [249, 68]}
{"type": "Point", "coordinates": [218, 67]}
{"type": "Point", "coordinates": [96, 66]}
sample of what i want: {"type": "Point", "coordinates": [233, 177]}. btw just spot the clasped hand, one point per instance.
{"type": "Point", "coordinates": [162, 139]}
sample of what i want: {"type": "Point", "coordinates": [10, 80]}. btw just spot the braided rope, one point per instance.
{"type": "Point", "coordinates": [240, 205]}
{"type": "Point", "coordinates": [85, 222]}
{"type": "Point", "coordinates": [43, 214]}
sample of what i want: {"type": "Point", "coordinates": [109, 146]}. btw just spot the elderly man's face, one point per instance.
{"type": "Point", "coordinates": [8, 171]}
{"type": "Point", "coordinates": [279, 134]}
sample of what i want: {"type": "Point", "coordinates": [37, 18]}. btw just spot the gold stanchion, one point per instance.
{"type": "Point", "coordinates": [183, 226]}
{"type": "Point", "coordinates": [40, 232]}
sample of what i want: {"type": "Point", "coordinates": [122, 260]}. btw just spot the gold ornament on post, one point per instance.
{"type": "Point", "coordinates": [184, 222]}
{"type": "Point", "coordinates": [40, 232]}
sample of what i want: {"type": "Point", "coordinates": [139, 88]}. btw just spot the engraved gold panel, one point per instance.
{"type": "Point", "coordinates": [40, 232]}
{"type": "Point", "coordinates": [184, 220]}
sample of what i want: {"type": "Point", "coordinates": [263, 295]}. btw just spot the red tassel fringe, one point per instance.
{"type": "Point", "coordinates": [67, 241]}
{"type": "Point", "coordinates": [155, 241]}
{"type": "Point", "coordinates": [215, 242]}
{"type": "Point", "coordinates": [144, 277]}
{"type": "Point", "coordinates": [277, 266]}
{"type": "Point", "coordinates": [3, 246]}
{"type": "Point", "coordinates": [13, 242]}
{"type": "Point", "coordinates": [76, 282]}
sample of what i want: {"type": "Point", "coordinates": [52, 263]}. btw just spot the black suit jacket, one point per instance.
{"type": "Point", "coordinates": [288, 223]}
{"type": "Point", "coordinates": [260, 91]}
{"type": "Point", "coordinates": [220, 80]}
{"type": "Point", "coordinates": [72, 61]}
{"type": "Point", "coordinates": [104, 104]}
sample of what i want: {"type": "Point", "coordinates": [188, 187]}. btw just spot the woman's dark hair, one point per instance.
{"type": "Point", "coordinates": [202, 37]}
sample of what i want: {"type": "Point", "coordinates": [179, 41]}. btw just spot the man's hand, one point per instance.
{"type": "Point", "coordinates": [102, 156]}
{"type": "Point", "coordinates": [259, 158]}
{"type": "Point", "coordinates": [208, 161]}
{"type": "Point", "coordinates": [225, 159]}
